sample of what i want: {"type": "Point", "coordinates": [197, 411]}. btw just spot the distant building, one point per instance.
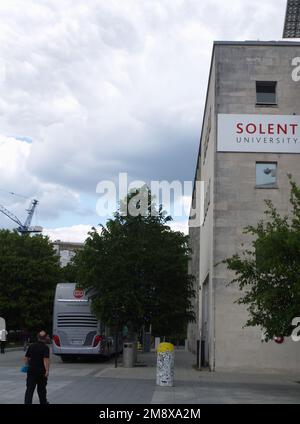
{"type": "Point", "coordinates": [66, 250]}
{"type": "Point", "coordinates": [250, 141]}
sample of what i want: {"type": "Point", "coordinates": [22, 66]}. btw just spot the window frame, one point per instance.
{"type": "Point", "coordinates": [275, 103]}
{"type": "Point", "coordinates": [266, 186]}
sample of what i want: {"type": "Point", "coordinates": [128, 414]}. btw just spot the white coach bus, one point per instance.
{"type": "Point", "coordinates": [76, 331]}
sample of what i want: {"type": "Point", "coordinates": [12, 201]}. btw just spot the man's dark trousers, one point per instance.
{"type": "Point", "coordinates": [41, 382]}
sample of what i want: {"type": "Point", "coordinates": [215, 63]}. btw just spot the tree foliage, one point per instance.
{"type": "Point", "coordinates": [269, 274]}
{"type": "Point", "coordinates": [137, 269]}
{"type": "Point", "coordinates": [68, 272]}
{"type": "Point", "coordinates": [29, 272]}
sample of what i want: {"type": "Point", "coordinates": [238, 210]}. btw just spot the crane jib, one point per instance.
{"type": "Point", "coordinates": [23, 228]}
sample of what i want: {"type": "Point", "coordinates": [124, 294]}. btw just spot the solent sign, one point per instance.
{"type": "Point", "coordinates": [259, 133]}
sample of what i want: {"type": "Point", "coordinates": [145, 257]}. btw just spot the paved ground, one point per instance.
{"type": "Point", "coordinates": [101, 383]}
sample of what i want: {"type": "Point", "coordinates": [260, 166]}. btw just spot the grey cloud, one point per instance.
{"type": "Point", "coordinates": [104, 87]}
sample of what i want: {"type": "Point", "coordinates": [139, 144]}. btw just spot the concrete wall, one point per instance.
{"type": "Point", "coordinates": [201, 239]}
{"type": "Point", "coordinates": [236, 203]}
{"type": "Point", "coordinates": [194, 243]}
{"type": "Point", "coordinates": [66, 251]}
{"type": "Point", "coordinates": [239, 203]}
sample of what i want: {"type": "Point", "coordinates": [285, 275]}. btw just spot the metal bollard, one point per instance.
{"type": "Point", "coordinates": [165, 365]}
{"type": "Point", "coordinates": [156, 343]}
{"type": "Point", "coordinates": [128, 355]}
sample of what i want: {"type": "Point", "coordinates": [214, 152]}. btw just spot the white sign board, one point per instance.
{"type": "Point", "coordinates": [259, 133]}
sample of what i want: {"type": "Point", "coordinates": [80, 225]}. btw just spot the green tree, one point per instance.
{"type": "Point", "coordinates": [29, 272]}
{"type": "Point", "coordinates": [269, 274]}
{"type": "Point", "coordinates": [136, 268]}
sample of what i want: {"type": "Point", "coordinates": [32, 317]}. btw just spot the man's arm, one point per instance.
{"type": "Point", "coordinates": [46, 360]}
{"type": "Point", "coordinates": [46, 365]}
{"type": "Point", "coordinates": [27, 356]}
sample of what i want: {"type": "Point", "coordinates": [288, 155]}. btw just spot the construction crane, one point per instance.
{"type": "Point", "coordinates": [23, 228]}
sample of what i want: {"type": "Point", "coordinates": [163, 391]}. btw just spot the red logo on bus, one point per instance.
{"type": "Point", "coordinates": [78, 293]}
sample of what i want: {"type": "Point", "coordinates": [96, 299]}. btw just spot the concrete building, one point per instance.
{"type": "Point", "coordinates": [66, 250]}
{"type": "Point", "coordinates": [250, 140]}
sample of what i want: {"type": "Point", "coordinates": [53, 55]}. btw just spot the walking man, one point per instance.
{"type": "Point", "coordinates": [37, 359]}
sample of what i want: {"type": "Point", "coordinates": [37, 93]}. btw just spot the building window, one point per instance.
{"type": "Point", "coordinates": [207, 136]}
{"type": "Point", "coordinates": [207, 200]}
{"type": "Point", "coordinates": [266, 92]}
{"type": "Point", "coordinates": [266, 175]}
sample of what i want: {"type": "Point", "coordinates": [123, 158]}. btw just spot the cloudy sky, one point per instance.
{"type": "Point", "coordinates": [93, 88]}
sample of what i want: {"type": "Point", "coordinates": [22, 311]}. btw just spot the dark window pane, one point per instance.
{"type": "Point", "coordinates": [266, 92]}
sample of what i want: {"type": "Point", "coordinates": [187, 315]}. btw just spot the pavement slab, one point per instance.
{"type": "Point", "coordinates": [101, 383]}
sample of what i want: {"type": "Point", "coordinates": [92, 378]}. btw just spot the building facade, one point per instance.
{"type": "Point", "coordinates": [250, 142]}
{"type": "Point", "coordinates": [66, 251]}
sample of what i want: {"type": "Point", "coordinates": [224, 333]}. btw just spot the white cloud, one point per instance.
{"type": "Point", "coordinates": [180, 226]}
{"type": "Point", "coordinates": [16, 176]}
{"type": "Point", "coordinates": [75, 233]}
{"type": "Point", "coordinates": [79, 233]}
{"type": "Point", "coordinates": [103, 87]}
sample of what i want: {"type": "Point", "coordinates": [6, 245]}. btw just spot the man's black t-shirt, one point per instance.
{"type": "Point", "coordinates": [36, 354]}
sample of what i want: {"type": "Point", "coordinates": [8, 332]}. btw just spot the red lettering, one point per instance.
{"type": "Point", "coordinates": [240, 128]}
{"type": "Point", "coordinates": [261, 131]}
{"type": "Point", "coordinates": [294, 126]}
{"type": "Point", "coordinates": [248, 128]}
{"type": "Point", "coordinates": [282, 128]}
{"type": "Point", "coordinates": [270, 129]}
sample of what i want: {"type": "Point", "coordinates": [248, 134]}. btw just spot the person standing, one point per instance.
{"type": "Point", "coordinates": [3, 334]}
{"type": "Point", "coordinates": [37, 359]}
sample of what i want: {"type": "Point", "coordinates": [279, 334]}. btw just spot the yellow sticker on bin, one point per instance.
{"type": "Point", "coordinates": [165, 347]}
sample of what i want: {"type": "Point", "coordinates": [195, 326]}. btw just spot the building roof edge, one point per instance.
{"type": "Point", "coordinates": [257, 43]}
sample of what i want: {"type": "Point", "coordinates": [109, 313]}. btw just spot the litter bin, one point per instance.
{"type": "Point", "coordinates": [147, 342]}
{"type": "Point", "coordinates": [128, 355]}
{"type": "Point", "coordinates": [165, 365]}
